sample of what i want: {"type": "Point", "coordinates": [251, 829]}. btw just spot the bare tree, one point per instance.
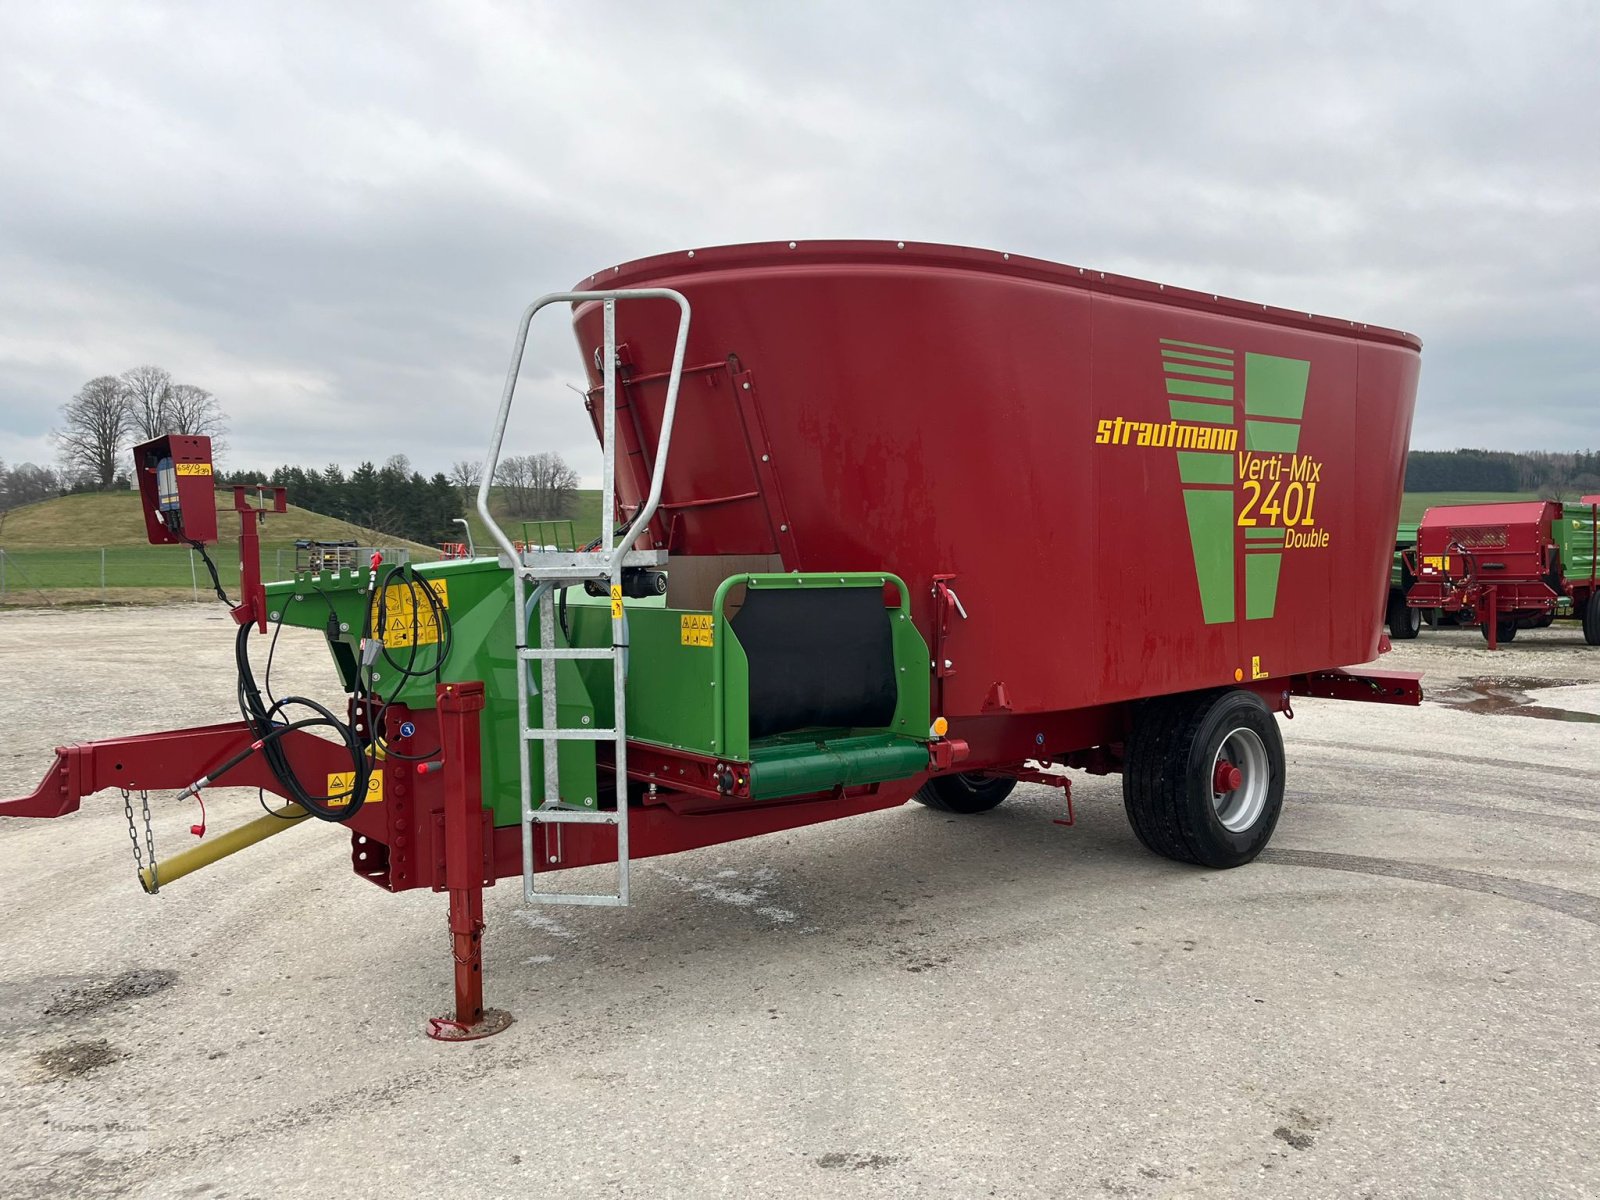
{"type": "Point", "coordinates": [148, 391]}
{"type": "Point", "coordinates": [465, 476]}
{"type": "Point", "coordinates": [193, 410]}
{"type": "Point", "coordinates": [537, 485]}
{"type": "Point", "coordinates": [95, 425]}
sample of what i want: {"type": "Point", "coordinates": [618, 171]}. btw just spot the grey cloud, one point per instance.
{"type": "Point", "coordinates": [332, 217]}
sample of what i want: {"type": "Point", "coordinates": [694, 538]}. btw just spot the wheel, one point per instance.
{"type": "Point", "coordinates": [1404, 621]}
{"type": "Point", "coordinates": [1203, 779]}
{"type": "Point", "coordinates": [970, 793]}
{"type": "Point", "coordinates": [1507, 630]}
{"type": "Point", "coordinates": [1591, 620]}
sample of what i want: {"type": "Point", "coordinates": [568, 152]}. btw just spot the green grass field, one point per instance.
{"type": "Point", "coordinates": [1417, 503]}
{"type": "Point", "coordinates": [83, 548]}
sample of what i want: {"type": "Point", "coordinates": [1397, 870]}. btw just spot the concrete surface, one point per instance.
{"type": "Point", "coordinates": [1398, 1000]}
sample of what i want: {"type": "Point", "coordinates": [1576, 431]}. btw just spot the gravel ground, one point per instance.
{"type": "Point", "coordinates": [1398, 1000]}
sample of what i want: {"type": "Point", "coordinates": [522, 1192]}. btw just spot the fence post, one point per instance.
{"type": "Point", "coordinates": [102, 573]}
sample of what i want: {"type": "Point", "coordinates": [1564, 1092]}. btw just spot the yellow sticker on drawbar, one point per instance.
{"type": "Point", "coordinates": [192, 468]}
{"type": "Point", "coordinates": [341, 785]}
{"type": "Point", "coordinates": [616, 602]}
{"type": "Point", "coordinates": [408, 618]}
{"type": "Point", "coordinates": [695, 629]}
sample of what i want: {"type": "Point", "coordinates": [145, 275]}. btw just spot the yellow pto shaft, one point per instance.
{"type": "Point", "coordinates": [221, 846]}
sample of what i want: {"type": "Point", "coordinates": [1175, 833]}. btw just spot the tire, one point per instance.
{"type": "Point", "coordinates": [1404, 621]}
{"type": "Point", "coordinates": [1591, 620]}
{"type": "Point", "coordinates": [1169, 778]}
{"type": "Point", "coordinates": [1507, 630]}
{"type": "Point", "coordinates": [966, 794]}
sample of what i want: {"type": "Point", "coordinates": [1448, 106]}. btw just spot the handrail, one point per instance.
{"type": "Point", "coordinates": [647, 511]}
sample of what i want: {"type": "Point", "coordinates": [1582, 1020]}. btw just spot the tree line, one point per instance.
{"type": "Point", "coordinates": [1554, 476]}
{"type": "Point", "coordinates": [397, 500]}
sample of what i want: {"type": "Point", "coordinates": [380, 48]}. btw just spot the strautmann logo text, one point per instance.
{"type": "Point", "coordinates": [1258, 501]}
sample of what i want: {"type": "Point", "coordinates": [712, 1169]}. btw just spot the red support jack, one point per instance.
{"type": "Point", "coordinates": [467, 864]}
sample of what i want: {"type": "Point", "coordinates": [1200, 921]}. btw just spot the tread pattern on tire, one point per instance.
{"type": "Point", "coordinates": [933, 795]}
{"type": "Point", "coordinates": [1591, 620]}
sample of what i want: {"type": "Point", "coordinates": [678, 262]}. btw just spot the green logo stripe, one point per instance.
{"type": "Point", "coordinates": [1197, 466]}
{"type": "Point", "coordinates": [1191, 369]}
{"type": "Point", "coordinates": [1262, 533]}
{"type": "Point", "coordinates": [1195, 410]}
{"type": "Point", "coordinates": [1195, 346]}
{"type": "Point", "coordinates": [1200, 358]}
{"type": "Point", "coordinates": [1275, 387]}
{"type": "Point", "coordinates": [1193, 387]}
{"type": "Point", "coordinates": [1261, 585]}
{"type": "Point", "coordinates": [1280, 437]}
{"type": "Point", "coordinates": [1210, 516]}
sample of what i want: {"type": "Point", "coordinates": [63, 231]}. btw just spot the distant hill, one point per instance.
{"type": "Point", "coordinates": [95, 519]}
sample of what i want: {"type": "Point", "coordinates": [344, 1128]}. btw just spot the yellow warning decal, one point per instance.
{"type": "Point", "coordinates": [1257, 671]}
{"type": "Point", "coordinates": [342, 783]}
{"type": "Point", "coordinates": [695, 629]}
{"type": "Point", "coordinates": [192, 468]}
{"type": "Point", "coordinates": [1440, 562]}
{"type": "Point", "coordinates": [407, 614]}
{"type": "Point", "coordinates": [616, 602]}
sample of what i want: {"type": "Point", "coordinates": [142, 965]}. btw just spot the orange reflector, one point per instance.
{"type": "Point", "coordinates": [940, 727]}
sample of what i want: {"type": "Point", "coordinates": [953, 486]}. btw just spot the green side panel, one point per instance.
{"type": "Point", "coordinates": [479, 597]}
{"type": "Point", "coordinates": [1275, 387]}
{"type": "Point", "coordinates": [1211, 536]}
{"type": "Point", "coordinates": [797, 764]}
{"type": "Point", "coordinates": [1271, 436]}
{"type": "Point", "coordinates": [1575, 536]}
{"type": "Point", "coordinates": [671, 694]}
{"type": "Point", "coordinates": [1198, 466]}
{"type": "Point", "coordinates": [1261, 583]}
{"type": "Point", "coordinates": [1197, 410]}
{"type": "Point", "coordinates": [1193, 387]}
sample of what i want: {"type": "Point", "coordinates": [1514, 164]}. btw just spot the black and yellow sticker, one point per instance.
{"type": "Point", "coordinates": [406, 612]}
{"type": "Point", "coordinates": [695, 629]}
{"type": "Point", "coordinates": [616, 602]}
{"type": "Point", "coordinates": [342, 783]}
{"type": "Point", "coordinates": [192, 468]}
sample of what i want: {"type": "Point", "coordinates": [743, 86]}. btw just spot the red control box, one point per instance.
{"type": "Point", "coordinates": [177, 489]}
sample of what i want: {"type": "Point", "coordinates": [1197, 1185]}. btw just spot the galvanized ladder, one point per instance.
{"type": "Point", "coordinates": [551, 569]}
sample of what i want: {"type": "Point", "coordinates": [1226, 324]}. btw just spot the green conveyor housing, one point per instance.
{"type": "Point", "coordinates": [832, 690]}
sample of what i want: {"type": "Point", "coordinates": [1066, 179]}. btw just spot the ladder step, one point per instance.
{"type": "Point", "coordinates": [535, 652]}
{"type": "Point", "coordinates": [569, 735]}
{"type": "Point", "coordinates": [574, 816]}
{"type": "Point", "coordinates": [602, 898]}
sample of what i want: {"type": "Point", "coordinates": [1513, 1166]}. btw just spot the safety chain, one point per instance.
{"type": "Point", "coordinates": [149, 839]}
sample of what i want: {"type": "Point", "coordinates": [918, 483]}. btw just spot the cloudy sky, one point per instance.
{"type": "Point", "coordinates": [331, 214]}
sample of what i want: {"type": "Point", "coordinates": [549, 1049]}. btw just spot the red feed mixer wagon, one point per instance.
{"type": "Point", "coordinates": [891, 522]}
{"type": "Point", "coordinates": [1510, 566]}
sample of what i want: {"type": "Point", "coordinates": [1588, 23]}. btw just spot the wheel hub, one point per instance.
{"type": "Point", "coordinates": [1226, 778]}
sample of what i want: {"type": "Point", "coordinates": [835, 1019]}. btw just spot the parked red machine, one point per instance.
{"type": "Point", "coordinates": [1510, 566]}
{"type": "Point", "coordinates": [930, 521]}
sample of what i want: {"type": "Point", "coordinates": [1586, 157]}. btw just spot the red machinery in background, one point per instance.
{"type": "Point", "coordinates": [1509, 566]}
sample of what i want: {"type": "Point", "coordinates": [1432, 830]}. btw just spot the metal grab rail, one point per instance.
{"type": "Point", "coordinates": [647, 511]}
{"type": "Point", "coordinates": [554, 568]}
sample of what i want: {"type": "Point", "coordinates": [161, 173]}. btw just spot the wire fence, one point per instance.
{"type": "Point", "coordinates": [75, 574]}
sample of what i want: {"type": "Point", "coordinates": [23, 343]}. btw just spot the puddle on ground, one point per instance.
{"type": "Point", "coordinates": [1501, 696]}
